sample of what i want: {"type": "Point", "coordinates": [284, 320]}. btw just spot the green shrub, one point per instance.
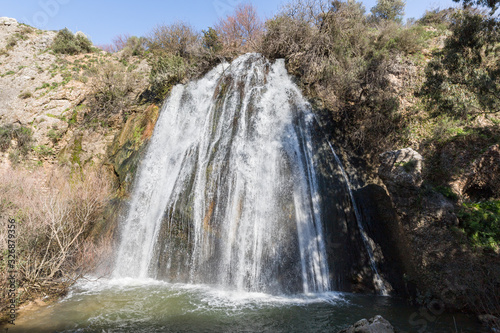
{"type": "Point", "coordinates": [392, 36]}
{"type": "Point", "coordinates": [25, 95]}
{"type": "Point", "coordinates": [43, 151]}
{"type": "Point", "coordinates": [391, 10]}
{"type": "Point", "coordinates": [135, 46]}
{"type": "Point", "coordinates": [55, 135]}
{"type": "Point", "coordinates": [5, 137]}
{"type": "Point", "coordinates": [463, 78]}
{"type": "Point", "coordinates": [481, 222]}
{"type": "Point", "coordinates": [166, 71]}
{"type": "Point", "coordinates": [22, 135]}
{"type": "Point", "coordinates": [211, 40]}
{"type": "Point", "coordinates": [447, 192]}
{"type": "Point", "coordinates": [68, 43]}
{"type": "Point", "coordinates": [437, 17]}
{"type": "Point", "coordinates": [8, 73]}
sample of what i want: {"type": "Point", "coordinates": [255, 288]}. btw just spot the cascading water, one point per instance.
{"type": "Point", "coordinates": [239, 199]}
{"type": "Point", "coordinates": [238, 190]}
{"type": "Point", "coordinates": [227, 193]}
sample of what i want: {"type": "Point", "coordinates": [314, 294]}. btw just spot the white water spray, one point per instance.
{"type": "Point", "coordinates": [227, 192]}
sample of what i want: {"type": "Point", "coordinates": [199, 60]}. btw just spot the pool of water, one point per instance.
{"type": "Point", "coordinates": [127, 305]}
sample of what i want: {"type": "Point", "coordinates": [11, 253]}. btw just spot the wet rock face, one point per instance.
{"type": "Point", "coordinates": [376, 324]}
{"type": "Point", "coordinates": [483, 181]}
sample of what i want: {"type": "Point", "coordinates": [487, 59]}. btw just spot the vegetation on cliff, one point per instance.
{"type": "Point", "coordinates": [431, 84]}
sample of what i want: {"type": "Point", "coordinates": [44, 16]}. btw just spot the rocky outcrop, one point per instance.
{"type": "Point", "coordinates": [401, 172]}
{"type": "Point", "coordinates": [401, 169]}
{"type": "Point", "coordinates": [483, 181]}
{"type": "Point", "coordinates": [376, 324]}
{"type": "Point", "coordinates": [49, 95]}
{"type": "Point", "coordinates": [8, 21]}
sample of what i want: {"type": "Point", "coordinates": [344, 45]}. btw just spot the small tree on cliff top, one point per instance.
{"type": "Point", "coordinates": [243, 29]}
{"type": "Point", "coordinates": [392, 10]}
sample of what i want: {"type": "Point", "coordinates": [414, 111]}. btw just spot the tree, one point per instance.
{"type": "Point", "coordinates": [179, 39]}
{"type": "Point", "coordinates": [211, 40]}
{"type": "Point", "coordinates": [392, 10]}
{"type": "Point", "coordinates": [68, 43]}
{"type": "Point", "coordinates": [243, 29]}
{"type": "Point", "coordinates": [491, 4]}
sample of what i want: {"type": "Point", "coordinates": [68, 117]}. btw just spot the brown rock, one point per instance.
{"type": "Point", "coordinates": [401, 168]}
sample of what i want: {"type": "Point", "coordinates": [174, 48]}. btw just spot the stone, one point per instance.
{"type": "Point", "coordinates": [8, 21]}
{"type": "Point", "coordinates": [401, 168]}
{"type": "Point", "coordinates": [377, 324]}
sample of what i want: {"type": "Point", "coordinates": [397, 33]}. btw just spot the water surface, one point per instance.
{"type": "Point", "coordinates": [132, 305]}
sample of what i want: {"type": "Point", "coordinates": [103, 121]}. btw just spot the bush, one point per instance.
{"type": "Point", "coordinates": [129, 45]}
{"type": "Point", "coordinates": [53, 213]}
{"type": "Point", "coordinates": [241, 31]}
{"type": "Point", "coordinates": [391, 10]}
{"type": "Point", "coordinates": [68, 43]}
{"type": "Point", "coordinates": [25, 95]}
{"type": "Point", "coordinates": [211, 40]}
{"type": "Point", "coordinates": [437, 17]}
{"type": "Point", "coordinates": [343, 64]}
{"type": "Point", "coordinates": [481, 222]}
{"type": "Point", "coordinates": [22, 135]}
{"type": "Point", "coordinates": [178, 39]}
{"type": "Point", "coordinates": [135, 46]}
{"type": "Point", "coordinates": [463, 78]}
{"type": "Point", "coordinates": [285, 37]}
{"type": "Point", "coordinates": [112, 86]}
{"type": "Point", "coordinates": [391, 36]}
{"type": "Point", "coordinates": [166, 71]}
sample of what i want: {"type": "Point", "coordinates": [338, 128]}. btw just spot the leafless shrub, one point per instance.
{"type": "Point", "coordinates": [53, 214]}
{"type": "Point", "coordinates": [308, 11]}
{"type": "Point", "coordinates": [242, 31]}
{"type": "Point", "coordinates": [112, 88]}
{"type": "Point", "coordinates": [179, 39]}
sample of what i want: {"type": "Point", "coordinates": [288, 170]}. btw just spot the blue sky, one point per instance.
{"type": "Point", "coordinates": [102, 20]}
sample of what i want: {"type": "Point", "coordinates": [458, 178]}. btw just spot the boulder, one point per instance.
{"type": "Point", "coordinates": [401, 168]}
{"type": "Point", "coordinates": [401, 172]}
{"type": "Point", "coordinates": [376, 324]}
{"type": "Point", "coordinates": [8, 21]}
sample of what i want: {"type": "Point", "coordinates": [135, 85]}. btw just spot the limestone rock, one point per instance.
{"type": "Point", "coordinates": [8, 21]}
{"type": "Point", "coordinates": [401, 168]}
{"type": "Point", "coordinates": [483, 181]}
{"type": "Point", "coordinates": [376, 324]}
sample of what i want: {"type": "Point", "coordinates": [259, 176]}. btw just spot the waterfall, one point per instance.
{"type": "Point", "coordinates": [227, 193]}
